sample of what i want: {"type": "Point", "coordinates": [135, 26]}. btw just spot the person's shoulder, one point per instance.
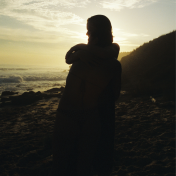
{"type": "Point", "coordinates": [116, 46]}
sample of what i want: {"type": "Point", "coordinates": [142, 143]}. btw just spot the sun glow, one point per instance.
{"type": "Point", "coordinates": [41, 32]}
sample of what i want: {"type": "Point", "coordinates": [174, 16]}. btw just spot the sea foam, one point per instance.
{"type": "Point", "coordinates": [11, 79]}
{"type": "Point", "coordinates": [36, 79]}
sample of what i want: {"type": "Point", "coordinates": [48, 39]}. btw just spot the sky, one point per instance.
{"type": "Point", "coordinates": [38, 32]}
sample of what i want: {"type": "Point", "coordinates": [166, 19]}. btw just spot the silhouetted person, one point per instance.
{"type": "Point", "coordinates": [84, 127]}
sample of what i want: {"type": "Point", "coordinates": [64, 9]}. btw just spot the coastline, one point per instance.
{"type": "Point", "coordinates": [144, 136]}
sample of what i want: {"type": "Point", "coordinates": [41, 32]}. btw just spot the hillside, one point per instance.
{"type": "Point", "coordinates": [122, 54]}
{"type": "Point", "coordinates": [150, 69]}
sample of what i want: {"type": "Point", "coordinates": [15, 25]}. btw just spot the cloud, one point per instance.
{"type": "Point", "coordinates": [38, 36]}
{"type": "Point", "coordinates": [120, 4]}
{"type": "Point", "coordinates": [120, 32]}
{"type": "Point", "coordinates": [124, 41]}
{"type": "Point", "coordinates": [127, 34]}
{"type": "Point", "coordinates": [43, 15]}
{"type": "Point", "coordinates": [124, 38]}
{"type": "Point", "coordinates": [50, 18]}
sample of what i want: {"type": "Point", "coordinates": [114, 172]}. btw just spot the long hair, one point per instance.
{"type": "Point", "coordinates": [103, 30]}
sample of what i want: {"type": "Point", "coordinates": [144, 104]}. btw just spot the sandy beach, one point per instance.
{"type": "Point", "coordinates": [144, 137]}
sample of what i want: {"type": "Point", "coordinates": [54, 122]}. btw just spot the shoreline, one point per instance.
{"type": "Point", "coordinates": [26, 98]}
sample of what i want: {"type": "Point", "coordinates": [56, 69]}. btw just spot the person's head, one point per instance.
{"type": "Point", "coordinates": [99, 30]}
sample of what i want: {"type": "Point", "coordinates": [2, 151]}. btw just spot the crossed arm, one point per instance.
{"type": "Point", "coordinates": [91, 53]}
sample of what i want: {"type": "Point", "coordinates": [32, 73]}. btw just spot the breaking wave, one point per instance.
{"type": "Point", "coordinates": [12, 69]}
{"type": "Point", "coordinates": [36, 79]}
{"type": "Point", "coordinates": [43, 78]}
{"type": "Point", "coordinates": [11, 79]}
{"type": "Point", "coordinates": [19, 79]}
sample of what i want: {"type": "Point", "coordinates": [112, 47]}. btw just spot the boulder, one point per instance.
{"type": "Point", "coordinates": [53, 90]}
{"type": "Point", "coordinates": [27, 98]}
{"type": "Point", "coordinates": [5, 98]}
{"type": "Point", "coordinates": [28, 93]}
{"type": "Point", "coordinates": [5, 103]}
{"type": "Point", "coordinates": [12, 97]}
{"type": "Point", "coordinates": [30, 97]}
{"type": "Point", "coordinates": [6, 93]}
{"type": "Point", "coordinates": [62, 89]}
{"type": "Point", "coordinates": [50, 95]}
{"type": "Point", "coordinates": [29, 89]}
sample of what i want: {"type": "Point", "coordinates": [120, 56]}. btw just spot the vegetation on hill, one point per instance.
{"type": "Point", "coordinates": [150, 69]}
{"type": "Point", "coordinates": [122, 54]}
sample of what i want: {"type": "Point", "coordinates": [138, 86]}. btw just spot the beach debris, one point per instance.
{"type": "Point", "coordinates": [123, 92]}
{"type": "Point", "coordinates": [152, 99]}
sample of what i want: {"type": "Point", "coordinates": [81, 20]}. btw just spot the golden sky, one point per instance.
{"type": "Point", "coordinates": [38, 32]}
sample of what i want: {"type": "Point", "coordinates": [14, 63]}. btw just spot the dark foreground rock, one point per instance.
{"type": "Point", "coordinates": [7, 93]}
{"type": "Point", "coordinates": [29, 97]}
{"type": "Point", "coordinates": [144, 138]}
{"type": "Point", "coordinates": [55, 90]}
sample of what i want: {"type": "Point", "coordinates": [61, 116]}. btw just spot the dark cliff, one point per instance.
{"type": "Point", "coordinates": [150, 69]}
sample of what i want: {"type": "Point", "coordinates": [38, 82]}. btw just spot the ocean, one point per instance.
{"type": "Point", "coordinates": [26, 78]}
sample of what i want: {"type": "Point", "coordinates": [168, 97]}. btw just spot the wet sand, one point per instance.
{"type": "Point", "coordinates": [144, 138]}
